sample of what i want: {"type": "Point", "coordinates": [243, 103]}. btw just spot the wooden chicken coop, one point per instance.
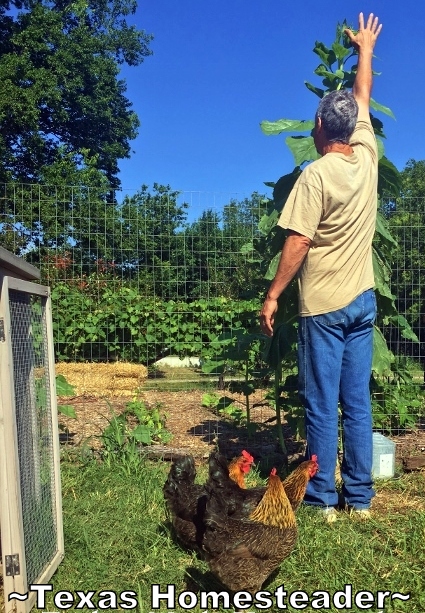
{"type": "Point", "coordinates": [30, 493]}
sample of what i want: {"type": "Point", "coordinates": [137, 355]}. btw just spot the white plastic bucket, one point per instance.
{"type": "Point", "coordinates": [383, 457]}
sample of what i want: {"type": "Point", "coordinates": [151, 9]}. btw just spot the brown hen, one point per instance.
{"type": "Point", "coordinates": [296, 483]}
{"type": "Point", "coordinates": [242, 553]}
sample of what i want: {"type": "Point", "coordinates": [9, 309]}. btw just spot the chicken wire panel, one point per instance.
{"type": "Point", "coordinates": [129, 269]}
{"type": "Point", "coordinates": [33, 410]}
{"type": "Point", "coordinates": [399, 399]}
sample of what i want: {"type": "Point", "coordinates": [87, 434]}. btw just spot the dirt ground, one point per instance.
{"type": "Point", "coordinates": [196, 429]}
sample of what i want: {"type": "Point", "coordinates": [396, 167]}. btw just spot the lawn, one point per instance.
{"type": "Point", "coordinates": [117, 539]}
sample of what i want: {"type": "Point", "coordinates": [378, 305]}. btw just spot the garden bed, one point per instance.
{"type": "Point", "coordinates": [196, 429]}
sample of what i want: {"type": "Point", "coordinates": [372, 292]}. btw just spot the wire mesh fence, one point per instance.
{"type": "Point", "coordinates": [155, 277]}
{"type": "Point", "coordinates": [34, 430]}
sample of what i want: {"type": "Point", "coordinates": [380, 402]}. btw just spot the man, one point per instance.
{"type": "Point", "coordinates": [331, 216]}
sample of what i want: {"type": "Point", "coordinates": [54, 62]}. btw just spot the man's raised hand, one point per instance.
{"type": "Point", "coordinates": [366, 35]}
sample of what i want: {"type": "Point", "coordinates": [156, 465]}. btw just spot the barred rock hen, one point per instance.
{"type": "Point", "coordinates": [186, 500]}
{"type": "Point", "coordinates": [241, 503]}
{"type": "Point", "coordinates": [242, 553]}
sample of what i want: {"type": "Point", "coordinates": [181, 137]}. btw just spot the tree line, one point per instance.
{"type": "Point", "coordinates": [151, 240]}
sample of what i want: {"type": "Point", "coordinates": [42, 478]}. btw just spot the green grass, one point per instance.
{"type": "Point", "coordinates": [116, 538]}
{"type": "Point", "coordinates": [172, 379]}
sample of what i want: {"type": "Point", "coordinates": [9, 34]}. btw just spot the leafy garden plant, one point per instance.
{"type": "Point", "coordinates": [63, 388]}
{"type": "Point", "coordinates": [136, 426]}
{"type": "Point", "coordinates": [229, 409]}
{"type": "Point", "coordinates": [118, 322]}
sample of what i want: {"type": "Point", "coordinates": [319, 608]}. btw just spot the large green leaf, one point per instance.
{"type": "Point", "coordinates": [232, 345]}
{"type": "Point", "coordinates": [322, 72]}
{"type": "Point", "coordinates": [272, 269]}
{"type": "Point", "coordinates": [286, 125]}
{"type": "Point", "coordinates": [63, 388]}
{"type": "Point", "coordinates": [316, 90]}
{"type": "Point", "coordinates": [224, 402]}
{"type": "Point", "coordinates": [382, 356]}
{"type": "Point", "coordinates": [327, 55]}
{"type": "Point", "coordinates": [340, 51]}
{"type": "Point", "coordinates": [281, 344]}
{"type": "Point", "coordinates": [349, 78]}
{"type": "Point", "coordinates": [378, 126]}
{"type": "Point", "coordinates": [381, 148]}
{"type": "Point", "coordinates": [277, 240]}
{"type": "Point", "coordinates": [67, 410]}
{"type": "Point", "coordinates": [284, 185]}
{"type": "Point", "coordinates": [142, 434]}
{"type": "Point", "coordinates": [406, 331]}
{"type": "Point", "coordinates": [302, 148]}
{"type": "Point", "coordinates": [383, 231]}
{"type": "Point", "coordinates": [268, 221]}
{"type": "Point", "coordinates": [380, 108]}
{"type": "Point", "coordinates": [389, 178]}
{"type": "Point", "coordinates": [214, 366]}
{"type": "Point", "coordinates": [381, 277]}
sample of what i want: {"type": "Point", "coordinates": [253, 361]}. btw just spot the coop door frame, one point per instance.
{"type": "Point", "coordinates": [11, 514]}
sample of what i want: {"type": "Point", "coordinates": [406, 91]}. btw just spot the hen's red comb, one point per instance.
{"type": "Point", "coordinates": [273, 472]}
{"type": "Point", "coordinates": [314, 457]}
{"type": "Point", "coordinates": [247, 456]}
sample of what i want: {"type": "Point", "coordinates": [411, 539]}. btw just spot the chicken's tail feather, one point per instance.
{"type": "Point", "coordinates": [219, 479]}
{"type": "Point", "coordinates": [181, 471]}
{"type": "Point", "coordinates": [215, 515]}
{"type": "Point", "coordinates": [218, 468]}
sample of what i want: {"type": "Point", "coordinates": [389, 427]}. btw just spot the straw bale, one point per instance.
{"type": "Point", "coordinates": [102, 379]}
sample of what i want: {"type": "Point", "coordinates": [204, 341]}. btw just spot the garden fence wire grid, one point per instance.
{"type": "Point", "coordinates": [142, 276]}
{"type": "Point", "coordinates": [34, 430]}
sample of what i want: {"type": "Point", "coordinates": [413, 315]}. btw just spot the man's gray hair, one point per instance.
{"type": "Point", "coordinates": [338, 113]}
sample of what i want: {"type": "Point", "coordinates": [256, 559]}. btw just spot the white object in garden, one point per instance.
{"type": "Point", "coordinates": [383, 456]}
{"type": "Point", "coordinates": [175, 362]}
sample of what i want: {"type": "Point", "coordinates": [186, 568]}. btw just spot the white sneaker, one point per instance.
{"type": "Point", "coordinates": [360, 513]}
{"type": "Point", "coordinates": [330, 514]}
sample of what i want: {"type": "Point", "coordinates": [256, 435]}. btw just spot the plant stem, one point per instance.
{"type": "Point", "coordinates": [277, 374]}
{"type": "Point", "coordinates": [247, 407]}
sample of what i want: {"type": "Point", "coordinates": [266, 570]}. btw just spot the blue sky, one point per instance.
{"type": "Point", "coordinates": [220, 67]}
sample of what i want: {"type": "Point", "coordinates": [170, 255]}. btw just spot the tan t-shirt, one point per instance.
{"type": "Point", "coordinates": [334, 203]}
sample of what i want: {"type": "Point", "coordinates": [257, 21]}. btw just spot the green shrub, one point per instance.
{"type": "Point", "coordinates": [120, 324]}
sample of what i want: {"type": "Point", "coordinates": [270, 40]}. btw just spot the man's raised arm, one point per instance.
{"type": "Point", "coordinates": [364, 41]}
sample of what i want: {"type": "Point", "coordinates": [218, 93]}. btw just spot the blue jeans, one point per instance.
{"type": "Point", "coordinates": [334, 364]}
